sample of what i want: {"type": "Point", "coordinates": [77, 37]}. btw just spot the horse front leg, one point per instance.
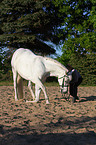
{"type": "Point", "coordinates": [46, 97]}
{"type": "Point", "coordinates": [30, 89]}
{"type": "Point", "coordinates": [37, 93]}
{"type": "Point", "coordinates": [44, 91]}
{"type": "Point", "coordinates": [38, 88]}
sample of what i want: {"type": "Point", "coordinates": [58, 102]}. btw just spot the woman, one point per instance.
{"type": "Point", "coordinates": [75, 82]}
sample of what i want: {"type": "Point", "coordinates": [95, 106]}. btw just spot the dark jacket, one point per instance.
{"type": "Point", "coordinates": [75, 76]}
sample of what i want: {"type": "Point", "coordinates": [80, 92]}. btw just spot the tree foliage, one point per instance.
{"type": "Point", "coordinates": [86, 65]}
{"type": "Point", "coordinates": [79, 25]}
{"type": "Point", "coordinates": [27, 23]}
{"type": "Point", "coordinates": [5, 67]}
{"type": "Point", "coordinates": [79, 47]}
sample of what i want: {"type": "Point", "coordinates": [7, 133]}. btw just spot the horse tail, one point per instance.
{"type": "Point", "coordinates": [20, 87]}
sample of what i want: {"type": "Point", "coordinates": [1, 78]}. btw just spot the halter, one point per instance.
{"type": "Point", "coordinates": [63, 83]}
{"type": "Point", "coordinates": [64, 86]}
{"type": "Point", "coordinates": [64, 80]}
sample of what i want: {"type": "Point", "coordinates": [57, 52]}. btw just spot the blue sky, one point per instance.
{"type": "Point", "coordinates": [58, 48]}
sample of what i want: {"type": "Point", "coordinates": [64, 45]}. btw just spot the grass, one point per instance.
{"type": "Point", "coordinates": [10, 83]}
{"type": "Point", "coordinates": [6, 83]}
{"type": "Point", "coordinates": [48, 84]}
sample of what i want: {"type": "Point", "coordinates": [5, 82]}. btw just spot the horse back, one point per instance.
{"type": "Point", "coordinates": [18, 54]}
{"type": "Point", "coordinates": [27, 64]}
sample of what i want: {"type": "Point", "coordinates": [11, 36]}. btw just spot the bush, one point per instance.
{"type": "Point", "coordinates": [86, 65]}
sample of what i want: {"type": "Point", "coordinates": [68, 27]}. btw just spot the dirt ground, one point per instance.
{"type": "Point", "coordinates": [59, 123]}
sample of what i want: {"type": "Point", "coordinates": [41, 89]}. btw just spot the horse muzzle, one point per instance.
{"type": "Point", "coordinates": [64, 90]}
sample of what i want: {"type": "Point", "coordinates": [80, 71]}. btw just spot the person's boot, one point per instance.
{"type": "Point", "coordinates": [77, 98]}
{"type": "Point", "coordinates": [74, 100]}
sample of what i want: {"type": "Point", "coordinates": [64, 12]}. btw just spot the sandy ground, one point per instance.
{"type": "Point", "coordinates": [60, 123]}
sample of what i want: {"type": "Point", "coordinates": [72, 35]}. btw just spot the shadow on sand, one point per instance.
{"type": "Point", "coordinates": [49, 139]}
{"type": "Point", "coordinates": [90, 98]}
{"type": "Point", "coordinates": [27, 135]}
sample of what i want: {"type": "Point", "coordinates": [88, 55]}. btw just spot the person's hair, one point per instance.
{"type": "Point", "coordinates": [69, 66]}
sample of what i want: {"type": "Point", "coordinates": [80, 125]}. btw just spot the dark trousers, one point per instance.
{"type": "Point", "coordinates": [74, 86]}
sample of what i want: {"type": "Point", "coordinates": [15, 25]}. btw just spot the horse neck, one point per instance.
{"type": "Point", "coordinates": [55, 69]}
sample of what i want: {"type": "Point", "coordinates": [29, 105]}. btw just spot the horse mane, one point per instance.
{"type": "Point", "coordinates": [55, 61]}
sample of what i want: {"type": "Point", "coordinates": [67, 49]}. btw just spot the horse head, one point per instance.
{"type": "Point", "coordinates": [64, 82]}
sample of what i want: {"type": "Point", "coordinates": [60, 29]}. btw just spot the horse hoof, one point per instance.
{"type": "Point", "coordinates": [31, 101]}
{"type": "Point", "coordinates": [48, 102]}
{"type": "Point", "coordinates": [16, 99]}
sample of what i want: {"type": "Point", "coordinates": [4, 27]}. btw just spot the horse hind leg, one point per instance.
{"type": "Point", "coordinates": [20, 87]}
{"type": "Point", "coordinates": [15, 83]}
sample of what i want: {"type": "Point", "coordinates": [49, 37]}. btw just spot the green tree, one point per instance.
{"type": "Point", "coordinates": [28, 23]}
{"type": "Point", "coordinates": [5, 67]}
{"type": "Point", "coordinates": [79, 27]}
{"type": "Point", "coordinates": [86, 65]}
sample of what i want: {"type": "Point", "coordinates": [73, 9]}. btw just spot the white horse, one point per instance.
{"type": "Point", "coordinates": [34, 68]}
